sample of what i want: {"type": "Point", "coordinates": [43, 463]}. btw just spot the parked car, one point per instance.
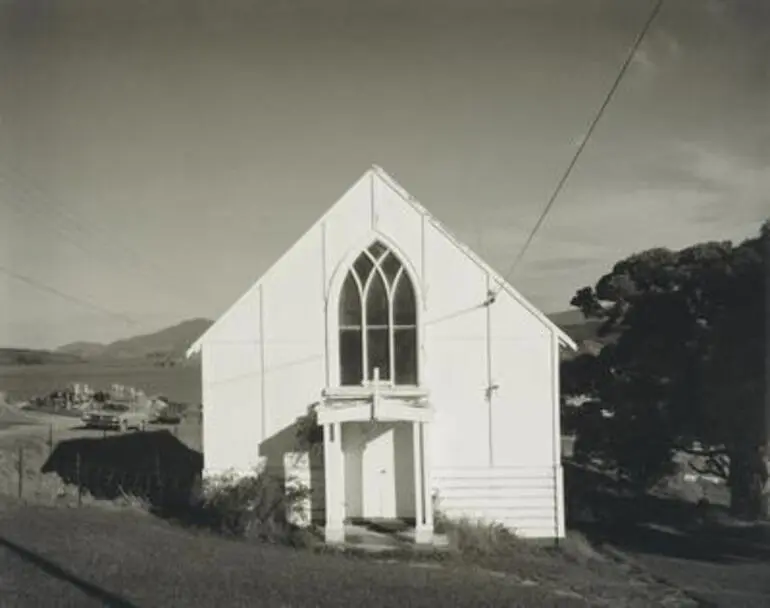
{"type": "Point", "coordinates": [116, 416]}
{"type": "Point", "coordinates": [165, 411]}
{"type": "Point", "coordinates": [168, 417]}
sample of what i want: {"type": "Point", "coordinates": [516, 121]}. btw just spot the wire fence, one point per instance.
{"type": "Point", "coordinates": [153, 474]}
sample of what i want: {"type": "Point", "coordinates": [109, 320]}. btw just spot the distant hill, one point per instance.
{"type": "Point", "coordinates": [583, 331]}
{"type": "Point", "coordinates": [566, 318]}
{"type": "Point", "coordinates": [167, 344]}
{"type": "Point", "coordinates": [85, 350]}
{"type": "Point", "coordinates": [28, 356]}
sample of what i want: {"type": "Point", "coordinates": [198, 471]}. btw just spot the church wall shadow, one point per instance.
{"type": "Point", "coordinates": [275, 449]}
{"type": "Point", "coordinates": [158, 468]}
{"type": "Point", "coordinates": [155, 466]}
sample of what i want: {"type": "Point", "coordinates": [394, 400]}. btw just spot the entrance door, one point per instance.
{"type": "Point", "coordinates": [378, 472]}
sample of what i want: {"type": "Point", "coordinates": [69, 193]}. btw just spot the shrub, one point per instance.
{"type": "Point", "coordinates": [471, 538]}
{"type": "Point", "coordinates": [258, 506]}
{"type": "Point", "coordinates": [309, 433]}
{"type": "Point", "coordinates": [479, 538]}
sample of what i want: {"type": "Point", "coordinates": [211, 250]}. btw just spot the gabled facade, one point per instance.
{"type": "Point", "coordinates": [427, 388]}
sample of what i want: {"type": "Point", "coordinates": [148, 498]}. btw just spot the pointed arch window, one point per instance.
{"type": "Point", "coordinates": [378, 320]}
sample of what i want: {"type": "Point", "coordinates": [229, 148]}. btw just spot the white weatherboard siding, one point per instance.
{"type": "Point", "coordinates": [491, 372]}
{"type": "Point", "coordinates": [522, 403]}
{"type": "Point", "coordinates": [392, 216]}
{"type": "Point", "coordinates": [293, 325]}
{"type": "Point", "coordinates": [231, 430]}
{"type": "Point", "coordinates": [455, 353]}
{"type": "Point", "coordinates": [345, 225]}
{"type": "Point", "coordinates": [231, 388]}
{"type": "Point", "coordinates": [521, 498]}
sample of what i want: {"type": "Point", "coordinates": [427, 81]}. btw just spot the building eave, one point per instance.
{"type": "Point", "coordinates": [564, 339]}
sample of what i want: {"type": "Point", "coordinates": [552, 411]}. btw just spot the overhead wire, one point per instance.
{"type": "Point", "coordinates": [57, 228]}
{"type": "Point", "coordinates": [560, 185]}
{"type": "Point", "coordinates": [91, 233]}
{"type": "Point", "coordinates": [67, 296]}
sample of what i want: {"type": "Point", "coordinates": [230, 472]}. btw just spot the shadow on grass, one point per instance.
{"type": "Point", "coordinates": [56, 571]}
{"type": "Point", "coordinates": [154, 466]}
{"type": "Point", "coordinates": [609, 513]}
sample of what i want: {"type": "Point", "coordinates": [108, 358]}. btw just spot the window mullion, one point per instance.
{"type": "Point", "coordinates": [397, 278]}
{"type": "Point", "coordinates": [364, 340]}
{"type": "Point", "coordinates": [391, 338]}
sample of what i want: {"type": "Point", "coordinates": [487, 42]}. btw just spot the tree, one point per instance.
{"type": "Point", "coordinates": [683, 368]}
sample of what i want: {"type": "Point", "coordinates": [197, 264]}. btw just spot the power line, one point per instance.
{"type": "Point", "coordinates": [66, 296]}
{"type": "Point", "coordinates": [83, 228]}
{"type": "Point", "coordinates": [586, 137]}
{"type": "Point", "coordinates": [57, 228]}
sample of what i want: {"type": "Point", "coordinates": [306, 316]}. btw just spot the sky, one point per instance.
{"type": "Point", "coordinates": [157, 156]}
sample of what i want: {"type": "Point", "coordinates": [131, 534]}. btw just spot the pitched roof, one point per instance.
{"type": "Point", "coordinates": [502, 284]}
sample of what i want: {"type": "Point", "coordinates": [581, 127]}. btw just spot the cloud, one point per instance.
{"type": "Point", "coordinates": [702, 192]}
{"type": "Point", "coordinates": [658, 51]}
{"type": "Point", "coordinates": [725, 171]}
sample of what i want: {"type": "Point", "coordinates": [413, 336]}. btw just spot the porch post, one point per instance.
{"type": "Point", "coordinates": [334, 531]}
{"type": "Point", "coordinates": [427, 476]}
{"type": "Point", "coordinates": [424, 529]}
{"type": "Point", "coordinates": [418, 493]}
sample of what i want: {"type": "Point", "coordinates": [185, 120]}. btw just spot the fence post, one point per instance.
{"type": "Point", "coordinates": [77, 479]}
{"type": "Point", "coordinates": [159, 477]}
{"type": "Point", "coordinates": [21, 471]}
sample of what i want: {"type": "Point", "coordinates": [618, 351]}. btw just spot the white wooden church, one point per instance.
{"type": "Point", "coordinates": [435, 382]}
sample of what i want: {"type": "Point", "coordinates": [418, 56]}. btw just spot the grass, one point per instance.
{"type": "Point", "coordinates": [131, 559]}
{"type": "Point", "coordinates": [476, 548]}
{"type": "Point", "coordinates": [475, 538]}
{"type": "Point", "coordinates": [574, 568]}
{"type": "Point", "coordinates": [574, 565]}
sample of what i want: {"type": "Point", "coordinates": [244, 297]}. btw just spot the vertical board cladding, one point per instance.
{"type": "Point", "coordinates": [522, 499]}
{"type": "Point", "coordinates": [231, 415]}
{"type": "Point", "coordinates": [399, 220]}
{"type": "Point", "coordinates": [455, 352]}
{"type": "Point", "coordinates": [522, 403]}
{"type": "Point", "coordinates": [293, 325]}
{"type": "Point", "coordinates": [240, 323]}
{"type": "Point", "coordinates": [349, 223]}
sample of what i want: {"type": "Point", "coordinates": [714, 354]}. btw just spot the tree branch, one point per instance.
{"type": "Point", "coordinates": [705, 453]}
{"type": "Point", "coordinates": [714, 467]}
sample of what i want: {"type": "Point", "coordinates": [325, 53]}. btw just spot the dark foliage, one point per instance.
{"type": "Point", "coordinates": [685, 369]}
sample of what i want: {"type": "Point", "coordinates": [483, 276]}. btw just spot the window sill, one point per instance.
{"type": "Point", "coordinates": [367, 403]}
{"type": "Point", "coordinates": [387, 391]}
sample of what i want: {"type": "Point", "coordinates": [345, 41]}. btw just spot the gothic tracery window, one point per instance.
{"type": "Point", "coordinates": [378, 320]}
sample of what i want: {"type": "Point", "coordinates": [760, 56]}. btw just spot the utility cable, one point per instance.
{"type": "Point", "coordinates": [44, 287]}
{"type": "Point", "coordinates": [632, 52]}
